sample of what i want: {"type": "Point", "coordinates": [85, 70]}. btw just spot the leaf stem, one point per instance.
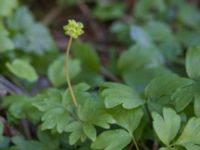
{"type": "Point", "coordinates": [135, 143]}
{"type": "Point", "coordinates": [67, 73]}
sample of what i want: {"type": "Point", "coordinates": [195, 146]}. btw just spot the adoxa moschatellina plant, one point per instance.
{"type": "Point", "coordinates": [73, 29]}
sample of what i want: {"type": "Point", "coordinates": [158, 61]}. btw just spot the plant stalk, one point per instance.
{"type": "Point", "coordinates": [67, 73]}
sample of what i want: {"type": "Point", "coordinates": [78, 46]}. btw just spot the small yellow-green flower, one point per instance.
{"type": "Point", "coordinates": [74, 29]}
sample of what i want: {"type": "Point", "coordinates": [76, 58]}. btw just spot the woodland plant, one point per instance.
{"type": "Point", "coordinates": [161, 114]}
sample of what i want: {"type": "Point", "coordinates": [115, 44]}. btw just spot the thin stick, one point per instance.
{"type": "Point", "coordinates": [135, 143]}
{"type": "Point", "coordinates": [67, 73]}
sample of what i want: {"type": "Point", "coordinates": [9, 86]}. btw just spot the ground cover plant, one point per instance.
{"type": "Point", "coordinates": [95, 75]}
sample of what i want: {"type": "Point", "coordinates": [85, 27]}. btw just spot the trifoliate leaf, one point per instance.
{"type": "Point", "coordinates": [56, 72]}
{"type": "Point", "coordinates": [56, 114]}
{"type": "Point", "coordinates": [47, 99]}
{"type": "Point", "coordinates": [6, 7]}
{"type": "Point", "coordinates": [160, 90]}
{"type": "Point", "coordinates": [192, 58]}
{"type": "Point", "coordinates": [190, 137]}
{"type": "Point", "coordinates": [22, 69]}
{"type": "Point", "coordinates": [166, 127]}
{"type": "Point", "coordinates": [128, 119]}
{"type": "Point", "coordinates": [139, 65]}
{"type": "Point", "coordinates": [164, 85]}
{"type": "Point", "coordinates": [115, 94]}
{"type": "Point", "coordinates": [57, 107]}
{"type": "Point", "coordinates": [87, 112]}
{"type": "Point", "coordinates": [112, 140]}
{"type": "Point", "coordinates": [28, 35]}
{"type": "Point", "coordinates": [56, 118]}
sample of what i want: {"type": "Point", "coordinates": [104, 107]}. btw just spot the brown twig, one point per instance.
{"type": "Point", "coordinates": [95, 27]}
{"type": "Point", "coordinates": [25, 126]}
{"type": "Point", "coordinates": [9, 87]}
{"type": "Point", "coordinates": [108, 74]}
{"type": "Point", "coordinates": [48, 19]}
{"type": "Point", "coordinates": [155, 145]}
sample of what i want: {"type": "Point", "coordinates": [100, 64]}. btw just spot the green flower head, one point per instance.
{"type": "Point", "coordinates": [74, 29]}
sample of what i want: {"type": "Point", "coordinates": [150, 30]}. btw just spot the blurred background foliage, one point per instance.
{"type": "Point", "coordinates": [134, 40]}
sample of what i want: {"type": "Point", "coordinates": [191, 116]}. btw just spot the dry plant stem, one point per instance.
{"type": "Point", "coordinates": [67, 73]}
{"type": "Point", "coordinates": [135, 143]}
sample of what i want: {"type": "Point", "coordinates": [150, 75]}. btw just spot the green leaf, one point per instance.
{"type": "Point", "coordinates": [5, 41]}
{"type": "Point", "coordinates": [6, 7]}
{"type": "Point", "coordinates": [56, 118]}
{"type": "Point", "coordinates": [58, 109]}
{"type": "Point", "coordinates": [143, 9]}
{"type": "Point", "coordinates": [162, 35]}
{"type": "Point", "coordinates": [21, 21]}
{"type": "Point", "coordinates": [115, 94]}
{"type": "Point", "coordinates": [190, 137]}
{"type": "Point", "coordinates": [90, 63]}
{"type": "Point", "coordinates": [22, 69]}
{"type": "Point", "coordinates": [81, 92]}
{"type": "Point", "coordinates": [87, 55]}
{"type": "Point", "coordinates": [20, 106]}
{"type": "Point", "coordinates": [89, 111]}
{"type": "Point", "coordinates": [165, 85]}
{"type": "Point", "coordinates": [57, 65]}
{"type": "Point", "coordinates": [90, 131]}
{"type": "Point", "coordinates": [128, 119]}
{"type": "Point", "coordinates": [139, 65]}
{"type": "Point", "coordinates": [197, 105]}
{"type": "Point", "coordinates": [166, 127]}
{"type": "Point", "coordinates": [140, 36]}
{"type": "Point", "coordinates": [192, 58]}
{"type": "Point", "coordinates": [189, 15]}
{"type": "Point", "coordinates": [112, 140]}
{"type": "Point", "coordinates": [76, 129]}
{"type": "Point", "coordinates": [55, 113]}
{"type": "Point", "coordinates": [109, 11]}
{"type": "Point", "coordinates": [28, 35]}
{"type": "Point", "coordinates": [183, 96]}
{"type": "Point", "coordinates": [160, 90]}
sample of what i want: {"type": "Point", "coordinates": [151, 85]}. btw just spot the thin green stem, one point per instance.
{"type": "Point", "coordinates": [67, 72]}
{"type": "Point", "coordinates": [135, 143]}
